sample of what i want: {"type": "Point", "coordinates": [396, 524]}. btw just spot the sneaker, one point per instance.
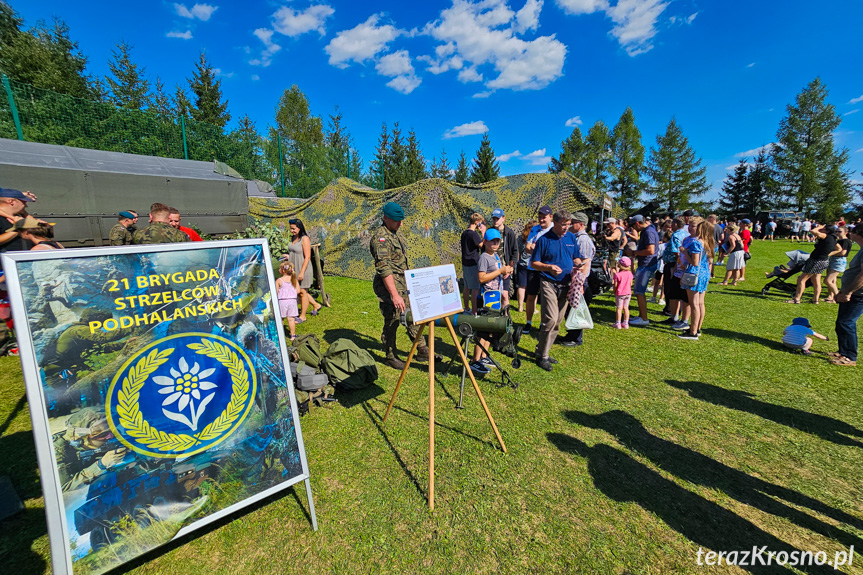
{"type": "Point", "coordinates": [688, 335]}
{"type": "Point", "coordinates": [488, 363]}
{"type": "Point", "coordinates": [638, 322]}
{"type": "Point", "coordinates": [680, 325]}
{"type": "Point", "coordinates": [666, 312]}
{"type": "Point", "coordinates": [626, 325]}
{"type": "Point", "coordinates": [669, 321]}
{"type": "Point", "coordinates": [652, 300]}
{"type": "Point", "coordinates": [550, 360]}
{"type": "Point", "coordinates": [661, 302]}
{"type": "Point", "coordinates": [617, 325]}
{"type": "Point", "coordinates": [478, 367]}
{"type": "Point", "coordinates": [526, 330]}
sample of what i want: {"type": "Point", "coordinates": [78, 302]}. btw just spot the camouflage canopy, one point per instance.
{"type": "Point", "coordinates": [343, 216]}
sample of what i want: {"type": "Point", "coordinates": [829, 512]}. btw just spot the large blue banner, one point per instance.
{"type": "Point", "coordinates": [158, 391]}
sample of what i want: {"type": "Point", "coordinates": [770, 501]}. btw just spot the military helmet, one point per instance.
{"type": "Point", "coordinates": [94, 314]}
{"type": "Point", "coordinates": [87, 422]}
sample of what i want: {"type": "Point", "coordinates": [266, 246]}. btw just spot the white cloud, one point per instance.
{"type": "Point", "coordinates": [691, 17]}
{"type": "Point", "coordinates": [469, 129]}
{"type": "Point", "coordinates": [265, 35]}
{"type": "Point", "coordinates": [255, 78]}
{"type": "Point", "coordinates": [750, 65]}
{"type": "Point", "coordinates": [528, 17]}
{"type": "Point", "coordinates": [508, 157]}
{"type": "Point", "coordinates": [187, 35]}
{"type": "Point", "coordinates": [855, 100]}
{"type": "Point", "coordinates": [486, 33]}
{"type": "Point", "coordinates": [574, 121]}
{"type": "Point", "coordinates": [848, 113]}
{"type": "Point", "coordinates": [634, 20]}
{"type": "Point", "coordinates": [754, 151]}
{"type": "Point", "coordinates": [858, 151]}
{"type": "Point", "coordinates": [294, 22]}
{"type": "Point", "coordinates": [199, 11]}
{"type": "Point", "coordinates": [218, 72]}
{"type": "Point", "coordinates": [538, 157]}
{"type": "Point", "coordinates": [578, 7]}
{"type": "Point", "coordinates": [439, 66]}
{"type": "Point", "coordinates": [398, 67]}
{"type": "Point", "coordinates": [362, 42]}
{"type": "Point", "coordinates": [482, 95]}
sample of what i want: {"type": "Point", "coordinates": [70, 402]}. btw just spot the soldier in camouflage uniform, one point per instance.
{"type": "Point", "coordinates": [159, 231]}
{"type": "Point", "coordinates": [390, 254]}
{"type": "Point", "coordinates": [120, 234]}
{"type": "Point", "coordinates": [81, 451]}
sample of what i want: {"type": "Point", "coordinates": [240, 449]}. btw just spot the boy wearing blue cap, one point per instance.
{"type": "Point", "coordinates": [491, 272]}
{"type": "Point", "coordinates": [796, 335]}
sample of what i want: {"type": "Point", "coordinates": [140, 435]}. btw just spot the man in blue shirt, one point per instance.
{"type": "Point", "coordinates": [544, 216]}
{"type": "Point", "coordinates": [645, 251]}
{"type": "Point", "coordinates": [585, 250]}
{"type": "Point", "coordinates": [553, 258]}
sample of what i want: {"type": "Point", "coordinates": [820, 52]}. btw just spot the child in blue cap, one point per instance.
{"type": "Point", "coordinates": [796, 335]}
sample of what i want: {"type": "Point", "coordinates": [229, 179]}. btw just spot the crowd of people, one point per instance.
{"type": "Point", "coordinates": [550, 260]}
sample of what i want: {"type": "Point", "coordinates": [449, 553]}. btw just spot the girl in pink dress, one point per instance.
{"type": "Point", "coordinates": [622, 292]}
{"type": "Point", "coordinates": [287, 288]}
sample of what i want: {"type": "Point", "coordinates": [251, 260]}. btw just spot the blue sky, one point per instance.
{"type": "Point", "coordinates": [525, 70]}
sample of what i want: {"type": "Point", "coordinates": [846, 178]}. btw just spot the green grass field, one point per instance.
{"type": "Point", "coordinates": [638, 450]}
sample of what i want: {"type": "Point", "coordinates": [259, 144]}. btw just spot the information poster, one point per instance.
{"type": "Point", "coordinates": [158, 391]}
{"type": "Point", "coordinates": [433, 292]}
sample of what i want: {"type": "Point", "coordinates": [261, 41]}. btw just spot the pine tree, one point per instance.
{"type": "Point", "coordinates": [338, 142]}
{"type": "Point", "coordinates": [676, 173]}
{"type": "Point", "coordinates": [161, 100]}
{"type": "Point", "coordinates": [295, 121]}
{"type": "Point", "coordinates": [249, 158]}
{"type": "Point", "coordinates": [804, 155]}
{"type": "Point", "coordinates": [355, 170]}
{"type": "Point", "coordinates": [484, 168]}
{"type": "Point", "coordinates": [732, 198]}
{"type": "Point", "coordinates": [416, 164]}
{"type": "Point", "coordinates": [442, 169]}
{"type": "Point", "coordinates": [597, 155]}
{"type": "Point", "coordinates": [129, 88]}
{"type": "Point", "coordinates": [209, 106]}
{"type": "Point", "coordinates": [380, 164]}
{"type": "Point", "coordinates": [182, 104]}
{"type": "Point", "coordinates": [461, 172]}
{"type": "Point", "coordinates": [396, 174]}
{"type": "Point", "coordinates": [758, 184]}
{"type": "Point", "coordinates": [572, 157]}
{"type": "Point", "coordinates": [627, 163]}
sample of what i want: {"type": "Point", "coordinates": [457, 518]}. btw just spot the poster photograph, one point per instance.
{"type": "Point", "coordinates": [158, 391]}
{"type": "Point", "coordinates": [433, 292]}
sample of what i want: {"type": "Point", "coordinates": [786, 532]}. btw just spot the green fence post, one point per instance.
{"type": "Point", "coordinates": [185, 148]}
{"type": "Point", "coordinates": [349, 163]}
{"type": "Point", "coordinates": [12, 107]}
{"type": "Point", "coordinates": [281, 163]}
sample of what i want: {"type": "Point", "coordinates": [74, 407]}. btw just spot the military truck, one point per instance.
{"type": "Point", "coordinates": [782, 218]}
{"type": "Point", "coordinates": [83, 190]}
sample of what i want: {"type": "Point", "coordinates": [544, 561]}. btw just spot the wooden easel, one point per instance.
{"type": "Point", "coordinates": [430, 324]}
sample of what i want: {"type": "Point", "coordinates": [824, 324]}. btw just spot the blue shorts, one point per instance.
{"type": "Point", "coordinates": [643, 275]}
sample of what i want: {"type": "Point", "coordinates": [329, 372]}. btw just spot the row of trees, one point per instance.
{"type": "Point", "coordinates": [803, 170]}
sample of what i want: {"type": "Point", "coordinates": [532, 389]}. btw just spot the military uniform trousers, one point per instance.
{"type": "Point", "coordinates": [391, 319]}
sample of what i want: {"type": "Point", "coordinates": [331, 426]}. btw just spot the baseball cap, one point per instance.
{"type": "Point", "coordinates": [492, 234]}
{"type": "Point", "coordinates": [14, 194]}
{"type": "Point", "coordinates": [610, 220]}
{"type": "Point", "coordinates": [394, 211]}
{"type": "Point", "coordinates": [545, 210]}
{"type": "Point", "coordinates": [636, 218]}
{"type": "Point", "coordinates": [27, 223]}
{"type": "Point", "coordinates": [625, 261]}
{"type": "Point", "coordinates": [801, 321]}
{"type": "Point", "coordinates": [497, 213]}
{"type": "Point", "coordinates": [745, 221]}
{"type": "Point", "coordinates": [580, 217]}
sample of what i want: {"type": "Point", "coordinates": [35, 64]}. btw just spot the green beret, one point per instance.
{"type": "Point", "coordinates": [394, 211]}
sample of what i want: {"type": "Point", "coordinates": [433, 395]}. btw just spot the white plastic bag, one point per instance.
{"type": "Point", "coordinates": [579, 317]}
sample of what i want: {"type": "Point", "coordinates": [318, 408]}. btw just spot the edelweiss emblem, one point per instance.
{"type": "Point", "coordinates": [159, 406]}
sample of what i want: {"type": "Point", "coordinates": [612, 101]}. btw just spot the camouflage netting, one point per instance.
{"type": "Point", "coordinates": [343, 217]}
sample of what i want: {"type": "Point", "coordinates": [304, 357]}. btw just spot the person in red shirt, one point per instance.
{"type": "Point", "coordinates": [174, 220]}
{"type": "Point", "coordinates": [746, 236]}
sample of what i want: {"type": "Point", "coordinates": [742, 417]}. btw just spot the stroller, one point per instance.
{"type": "Point", "coordinates": [600, 276]}
{"type": "Point", "coordinates": [796, 259]}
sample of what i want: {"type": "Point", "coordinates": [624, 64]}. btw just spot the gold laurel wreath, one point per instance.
{"type": "Point", "coordinates": [136, 426]}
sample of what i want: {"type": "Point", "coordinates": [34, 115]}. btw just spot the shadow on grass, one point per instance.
{"type": "Point", "coordinates": [16, 545]}
{"type": "Point", "coordinates": [623, 479]}
{"type": "Point", "coordinates": [437, 423]}
{"type": "Point", "coordinates": [375, 348]}
{"type": "Point", "coordinates": [745, 337]}
{"type": "Point", "coordinates": [696, 468]}
{"type": "Point", "coordinates": [824, 427]}
{"type": "Point", "coordinates": [376, 419]}
{"type": "Point", "coordinates": [15, 411]}
{"type": "Point", "coordinates": [18, 457]}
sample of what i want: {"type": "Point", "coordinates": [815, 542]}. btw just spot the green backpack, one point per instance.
{"type": "Point", "coordinates": [348, 366]}
{"type": "Point", "coordinates": [306, 350]}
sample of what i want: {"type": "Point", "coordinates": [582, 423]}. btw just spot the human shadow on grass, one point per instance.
{"type": "Point", "coordinates": [623, 479]}
{"type": "Point", "coordinates": [696, 468]}
{"type": "Point", "coordinates": [821, 425]}
{"type": "Point", "coordinates": [745, 337]}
